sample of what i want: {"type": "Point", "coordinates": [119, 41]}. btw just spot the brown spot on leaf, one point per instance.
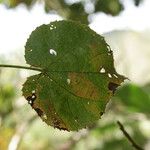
{"type": "Point", "coordinates": [83, 87]}
{"type": "Point", "coordinates": [31, 99]}
{"type": "Point", "coordinates": [39, 111]}
{"type": "Point", "coordinates": [101, 113]}
{"type": "Point", "coordinates": [112, 86]}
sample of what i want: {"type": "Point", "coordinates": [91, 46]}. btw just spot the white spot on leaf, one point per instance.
{"type": "Point", "coordinates": [102, 70]}
{"type": "Point", "coordinates": [30, 101]}
{"type": "Point", "coordinates": [68, 81]}
{"type": "Point", "coordinates": [52, 52]}
{"type": "Point", "coordinates": [52, 27]}
{"type": "Point", "coordinates": [88, 103]}
{"type": "Point", "coordinates": [33, 96]}
{"type": "Point", "coordinates": [33, 91]}
{"type": "Point", "coordinates": [109, 75]}
{"type": "Point", "coordinates": [108, 48]}
{"type": "Point", "coordinates": [44, 116]}
{"type": "Point", "coordinates": [115, 75]}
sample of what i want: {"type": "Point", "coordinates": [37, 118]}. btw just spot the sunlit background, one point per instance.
{"type": "Point", "coordinates": [128, 34]}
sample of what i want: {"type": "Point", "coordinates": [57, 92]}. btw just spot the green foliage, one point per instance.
{"type": "Point", "coordinates": [78, 13]}
{"type": "Point", "coordinates": [135, 98]}
{"type": "Point", "coordinates": [75, 11]}
{"type": "Point", "coordinates": [7, 94]}
{"type": "Point", "coordinates": [113, 7]}
{"type": "Point", "coordinates": [14, 3]}
{"type": "Point", "coordinates": [61, 98]}
{"type": "Point", "coordinates": [78, 76]}
{"type": "Point", "coordinates": [137, 2]}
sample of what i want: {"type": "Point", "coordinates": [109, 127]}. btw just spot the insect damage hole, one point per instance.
{"type": "Point", "coordinates": [33, 96]}
{"type": "Point", "coordinates": [31, 99]}
{"type": "Point", "coordinates": [109, 75]}
{"type": "Point", "coordinates": [52, 52]}
{"type": "Point", "coordinates": [115, 75]}
{"type": "Point", "coordinates": [102, 70]}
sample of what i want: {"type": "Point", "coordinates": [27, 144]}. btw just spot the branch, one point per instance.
{"type": "Point", "coordinates": [136, 146]}
{"type": "Point", "coordinates": [18, 136]}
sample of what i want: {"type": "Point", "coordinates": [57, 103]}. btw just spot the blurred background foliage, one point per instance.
{"type": "Point", "coordinates": [20, 128]}
{"type": "Point", "coordinates": [74, 10]}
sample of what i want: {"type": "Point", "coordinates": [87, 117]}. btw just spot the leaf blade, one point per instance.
{"type": "Point", "coordinates": [72, 91]}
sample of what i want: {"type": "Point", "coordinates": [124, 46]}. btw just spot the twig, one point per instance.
{"type": "Point", "coordinates": [18, 136]}
{"type": "Point", "coordinates": [21, 67]}
{"type": "Point", "coordinates": [136, 146]}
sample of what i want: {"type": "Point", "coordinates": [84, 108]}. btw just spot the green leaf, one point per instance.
{"type": "Point", "coordinates": [138, 2]}
{"type": "Point", "coordinates": [113, 7]}
{"type": "Point", "coordinates": [136, 98]}
{"type": "Point", "coordinates": [78, 76]}
{"type": "Point", "coordinates": [77, 13]}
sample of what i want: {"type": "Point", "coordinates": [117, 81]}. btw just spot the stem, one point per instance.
{"type": "Point", "coordinates": [21, 67]}
{"type": "Point", "coordinates": [134, 144]}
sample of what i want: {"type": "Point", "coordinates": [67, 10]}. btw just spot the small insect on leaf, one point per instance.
{"type": "Point", "coordinates": [78, 77]}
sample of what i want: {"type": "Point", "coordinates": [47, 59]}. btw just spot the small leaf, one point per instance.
{"type": "Point", "coordinates": [113, 7]}
{"type": "Point", "coordinates": [71, 92]}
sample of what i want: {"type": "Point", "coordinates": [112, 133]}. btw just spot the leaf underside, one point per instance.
{"type": "Point", "coordinates": [78, 77]}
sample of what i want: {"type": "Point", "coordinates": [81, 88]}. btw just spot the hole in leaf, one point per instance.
{"type": "Point", "coordinates": [109, 75]}
{"type": "Point", "coordinates": [115, 75]}
{"type": "Point", "coordinates": [52, 52]}
{"type": "Point", "coordinates": [33, 96]}
{"type": "Point", "coordinates": [102, 70]}
{"type": "Point", "coordinates": [31, 99]}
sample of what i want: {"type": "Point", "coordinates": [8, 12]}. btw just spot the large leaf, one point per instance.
{"type": "Point", "coordinates": [78, 76]}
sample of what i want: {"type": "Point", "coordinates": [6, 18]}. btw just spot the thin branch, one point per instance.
{"type": "Point", "coordinates": [21, 67]}
{"type": "Point", "coordinates": [18, 136]}
{"type": "Point", "coordinates": [134, 144]}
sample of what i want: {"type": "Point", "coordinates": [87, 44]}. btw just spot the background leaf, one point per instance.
{"type": "Point", "coordinates": [136, 98]}
{"type": "Point", "coordinates": [113, 7]}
